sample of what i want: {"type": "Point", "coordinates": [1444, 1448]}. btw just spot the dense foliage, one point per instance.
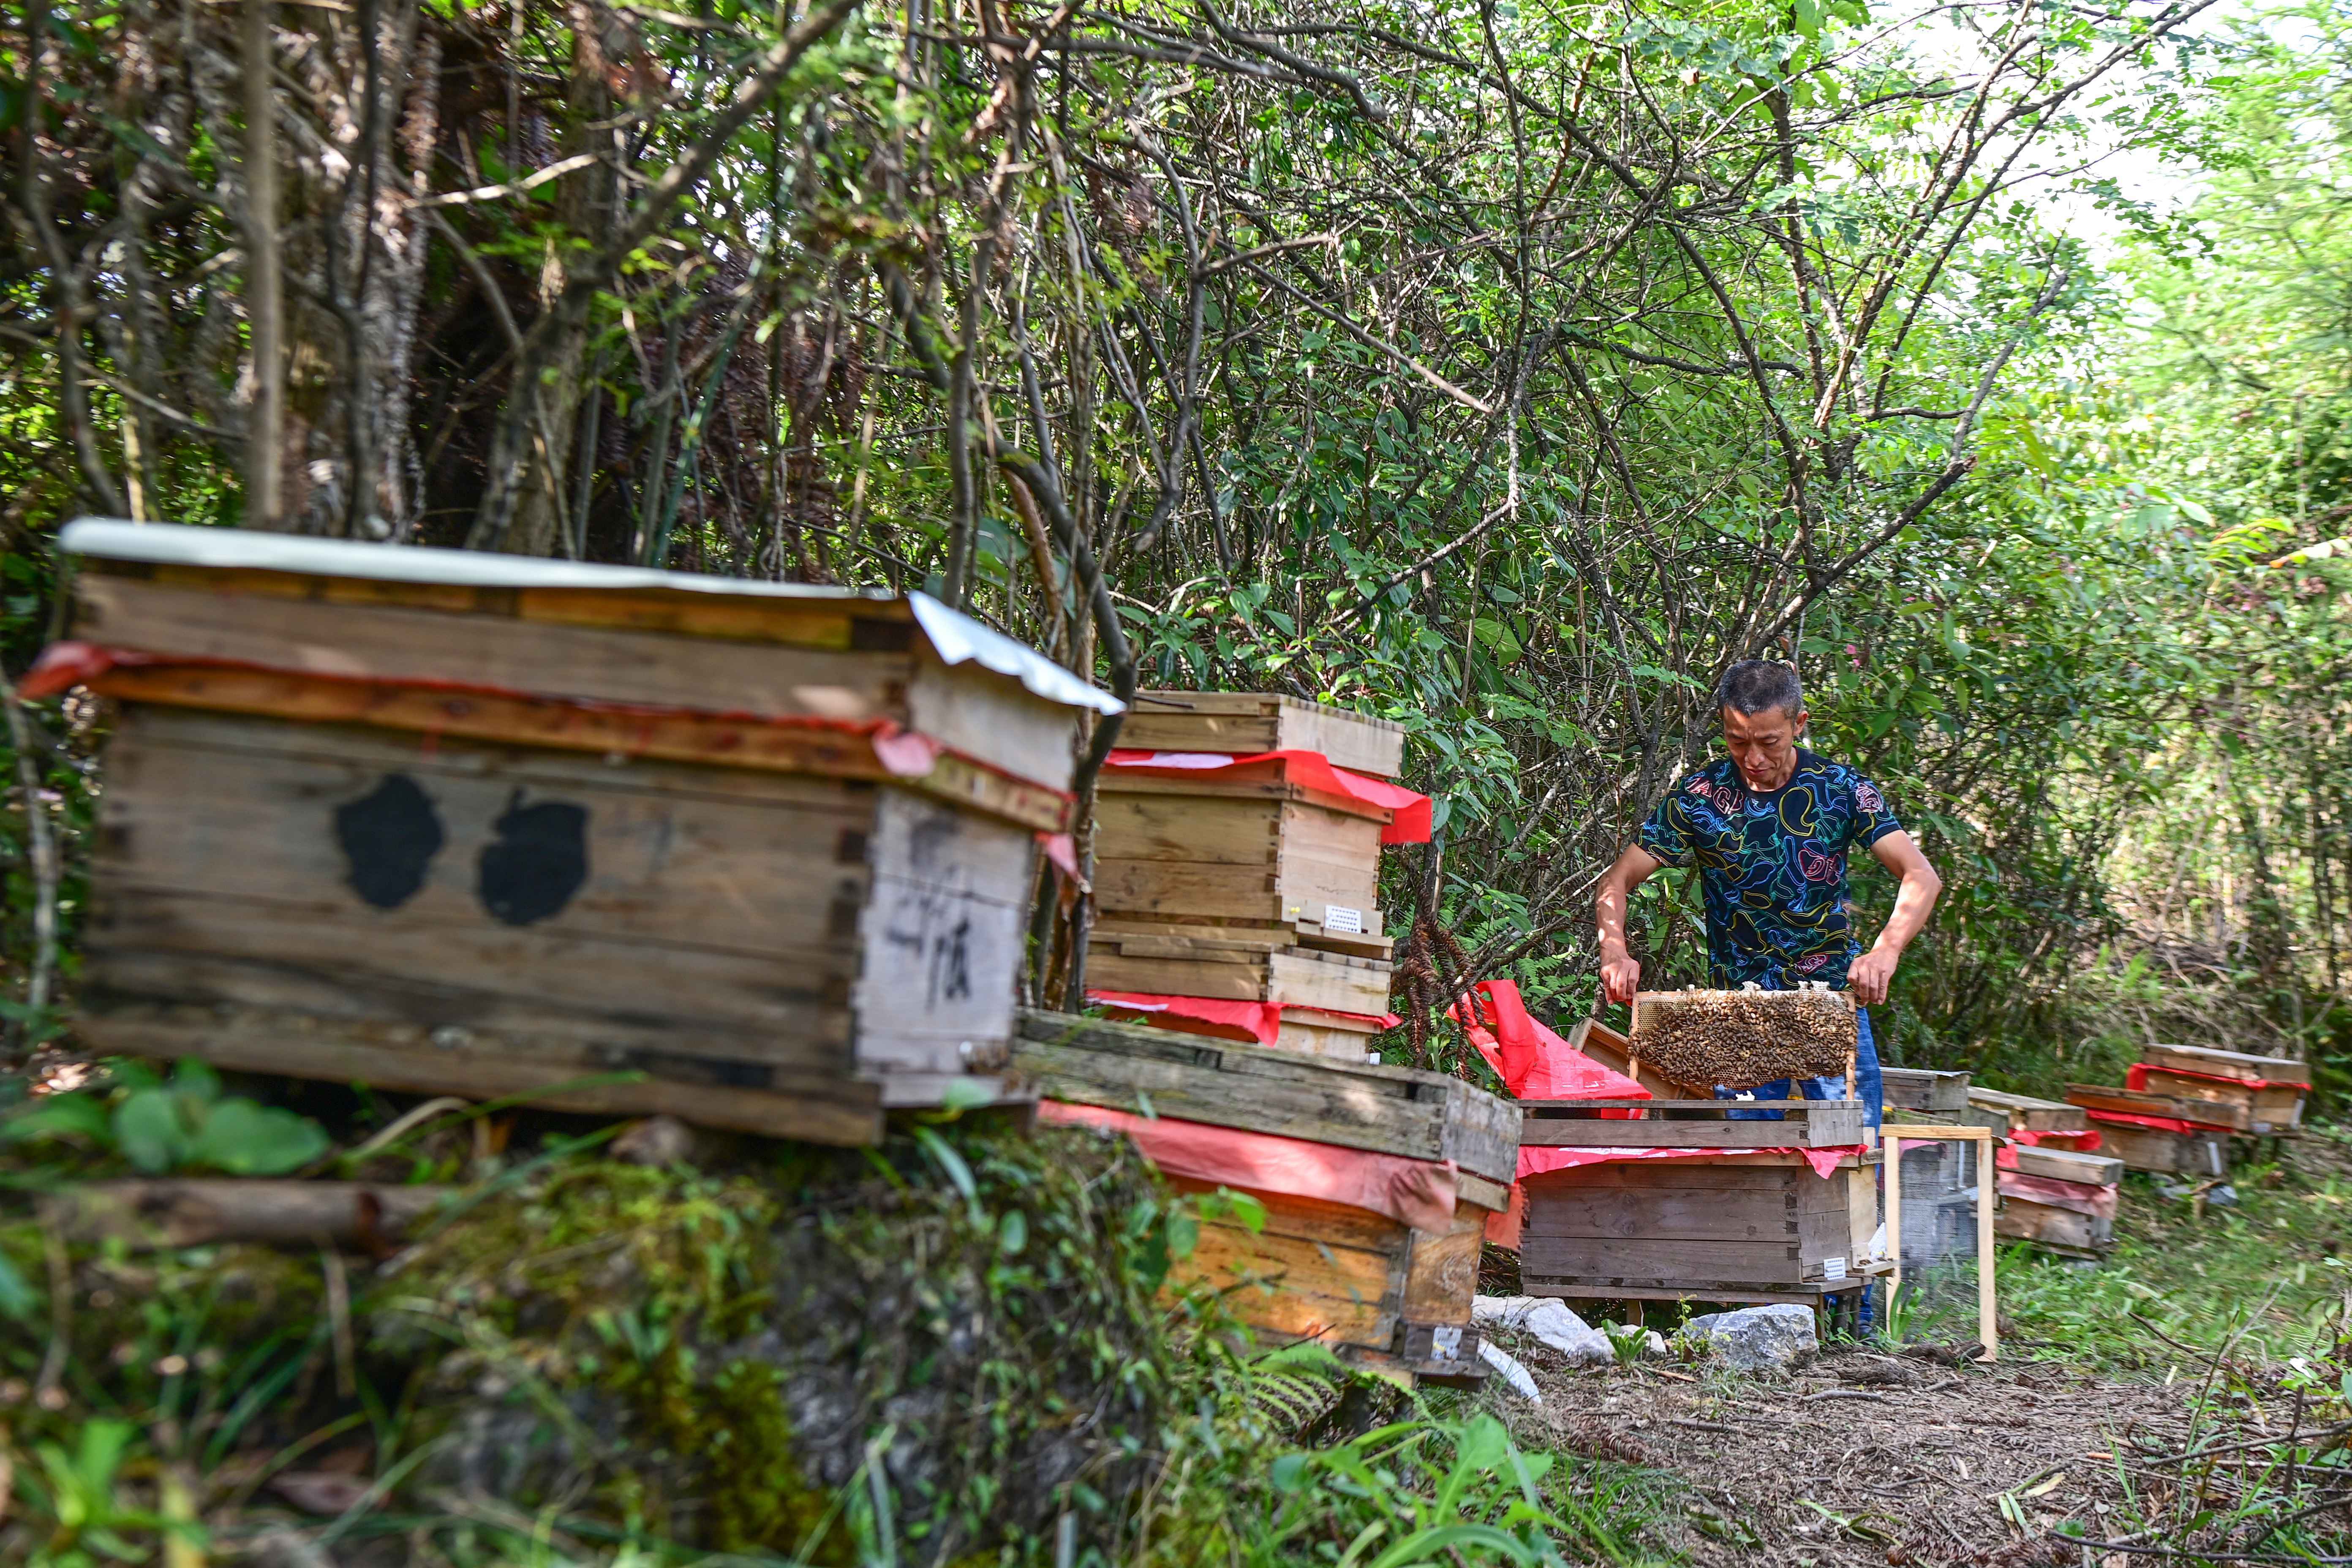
{"type": "Point", "coordinates": [1506, 369]}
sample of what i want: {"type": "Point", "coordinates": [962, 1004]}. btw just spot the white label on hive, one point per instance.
{"type": "Point", "coordinates": [1337, 918]}
{"type": "Point", "coordinates": [1833, 1267]}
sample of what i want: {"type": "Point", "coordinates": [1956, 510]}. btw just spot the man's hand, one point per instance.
{"type": "Point", "coordinates": [1869, 976]}
{"type": "Point", "coordinates": [1620, 974]}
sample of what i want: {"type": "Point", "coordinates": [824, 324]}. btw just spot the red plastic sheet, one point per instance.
{"type": "Point", "coordinates": [2082, 1197]}
{"type": "Point", "coordinates": [2135, 1077]}
{"type": "Point", "coordinates": [2080, 1139]}
{"type": "Point", "coordinates": [1261, 1020]}
{"type": "Point", "coordinates": [2161, 1124]}
{"type": "Point", "coordinates": [1418, 1193]}
{"type": "Point", "coordinates": [1310, 770]}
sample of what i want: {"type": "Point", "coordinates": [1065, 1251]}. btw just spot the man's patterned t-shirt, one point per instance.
{"type": "Point", "coordinates": [1772, 867]}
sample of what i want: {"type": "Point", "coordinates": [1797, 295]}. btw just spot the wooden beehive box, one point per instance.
{"type": "Point", "coordinates": [2060, 1216]}
{"type": "Point", "coordinates": [1242, 847]}
{"type": "Point", "coordinates": [2268, 1090]}
{"type": "Point", "coordinates": [1243, 724]}
{"type": "Point", "coordinates": [1747, 1224]}
{"type": "Point", "coordinates": [1363, 1282]}
{"type": "Point", "coordinates": [1234, 963]}
{"type": "Point", "coordinates": [2007, 1113]}
{"type": "Point", "coordinates": [2223, 1115]}
{"type": "Point", "coordinates": [756, 855]}
{"type": "Point", "coordinates": [1918, 1089]}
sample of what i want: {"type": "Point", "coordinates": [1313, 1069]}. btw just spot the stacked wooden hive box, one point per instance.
{"type": "Point", "coordinates": [1238, 859]}
{"type": "Point", "coordinates": [2056, 1191]}
{"type": "Point", "coordinates": [1365, 1189]}
{"type": "Point", "coordinates": [600, 838]}
{"type": "Point", "coordinates": [2180, 1105]}
{"type": "Point", "coordinates": [1685, 1203]}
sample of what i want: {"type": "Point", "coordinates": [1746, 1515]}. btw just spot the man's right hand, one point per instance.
{"type": "Point", "coordinates": [1621, 975]}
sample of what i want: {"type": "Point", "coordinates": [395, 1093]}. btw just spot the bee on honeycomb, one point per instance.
{"type": "Point", "coordinates": [1742, 1038]}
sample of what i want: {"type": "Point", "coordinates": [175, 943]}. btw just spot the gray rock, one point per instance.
{"type": "Point", "coordinates": [1549, 1321]}
{"type": "Point", "coordinates": [1758, 1338]}
{"type": "Point", "coordinates": [1515, 1374]}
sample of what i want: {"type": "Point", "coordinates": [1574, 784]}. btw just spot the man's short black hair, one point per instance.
{"type": "Point", "coordinates": [1756, 686]}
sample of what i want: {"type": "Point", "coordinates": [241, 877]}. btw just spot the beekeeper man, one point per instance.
{"type": "Point", "coordinates": [1769, 829]}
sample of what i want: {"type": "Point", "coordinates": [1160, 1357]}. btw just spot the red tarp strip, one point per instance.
{"type": "Point", "coordinates": [1417, 1193]}
{"type": "Point", "coordinates": [2081, 1139]}
{"type": "Point", "coordinates": [1310, 770]}
{"type": "Point", "coordinates": [2081, 1197]}
{"type": "Point", "coordinates": [1263, 1020]}
{"type": "Point", "coordinates": [2161, 1124]}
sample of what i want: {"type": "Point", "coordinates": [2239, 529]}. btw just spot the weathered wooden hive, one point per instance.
{"type": "Point", "coordinates": [1326, 1148]}
{"type": "Point", "coordinates": [1238, 859]}
{"type": "Point", "coordinates": [758, 855]}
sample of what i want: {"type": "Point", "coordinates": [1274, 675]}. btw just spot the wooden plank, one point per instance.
{"type": "Point", "coordinates": [593, 663]}
{"type": "Point", "coordinates": [198, 1212]}
{"type": "Point", "coordinates": [1316, 1270]}
{"type": "Point", "coordinates": [2229, 1064]}
{"type": "Point", "coordinates": [1440, 1277]}
{"type": "Point", "coordinates": [2021, 1219]}
{"type": "Point", "coordinates": [1804, 1293]}
{"type": "Point", "coordinates": [1823, 1124]}
{"type": "Point", "coordinates": [2132, 1102]}
{"type": "Point", "coordinates": [941, 938]}
{"type": "Point", "coordinates": [816, 621]}
{"type": "Point", "coordinates": [1730, 1173]}
{"type": "Point", "coordinates": [553, 1071]}
{"type": "Point", "coordinates": [1607, 1046]}
{"type": "Point", "coordinates": [1753, 1215]}
{"type": "Point", "coordinates": [2025, 1111]}
{"type": "Point", "coordinates": [1918, 1089]}
{"type": "Point", "coordinates": [1355, 1105]}
{"type": "Point", "coordinates": [2152, 1149]}
{"type": "Point", "coordinates": [1656, 1262]}
{"type": "Point", "coordinates": [2265, 1110]}
{"type": "Point", "coordinates": [1191, 828]}
{"type": "Point", "coordinates": [2067, 1165]}
{"type": "Point", "coordinates": [1242, 722]}
{"type": "Point", "coordinates": [973, 711]}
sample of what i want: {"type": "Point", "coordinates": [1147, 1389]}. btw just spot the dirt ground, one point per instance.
{"type": "Point", "coordinates": [1864, 1458]}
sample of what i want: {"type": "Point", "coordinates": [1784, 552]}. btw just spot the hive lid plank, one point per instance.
{"type": "Point", "coordinates": [955, 638]}
{"type": "Point", "coordinates": [1196, 1077]}
{"type": "Point", "coordinates": [2229, 1064]}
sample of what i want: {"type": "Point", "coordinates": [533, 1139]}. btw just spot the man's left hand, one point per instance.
{"type": "Point", "coordinates": [1869, 976]}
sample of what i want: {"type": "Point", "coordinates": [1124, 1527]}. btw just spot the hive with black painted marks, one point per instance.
{"type": "Point", "coordinates": [758, 855]}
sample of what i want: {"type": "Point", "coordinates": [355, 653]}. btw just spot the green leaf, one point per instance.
{"type": "Point", "coordinates": [248, 1140]}
{"type": "Point", "coordinates": [17, 1300]}
{"type": "Point", "coordinates": [78, 1116]}
{"type": "Point", "coordinates": [148, 1130]}
{"type": "Point", "coordinates": [1012, 1231]}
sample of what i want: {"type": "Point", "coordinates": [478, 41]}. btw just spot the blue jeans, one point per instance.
{"type": "Point", "coordinates": [1868, 1086]}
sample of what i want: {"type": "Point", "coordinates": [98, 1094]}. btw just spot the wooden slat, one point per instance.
{"type": "Point", "coordinates": [2132, 1102]}
{"type": "Point", "coordinates": [2265, 1110]}
{"type": "Point", "coordinates": [2067, 1165]}
{"type": "Point", "coordinates": [1241, 723]}
{"type": "Point", "coordinates": [2023, 1111]}
{"type": "Point", "coordinates": [815, 622]}
{"type": "Point", "coordinates": [1736, 1215]}
{"type": "Point", "coordinates": [1653, 1261]}
{"type": "Point", "coordinates": [2152, 1149]}
{"type": "Point", "coordinates": [1441, 1277]}
{"type": "Point", "coordinates": [820, 1106]}
{"type": "Point", "coordinates": [2021, 1219]}
{"type": "Point", "coordinates": [1918, 1089]}
{"type": "Point", "coordinates": [1316, 1270]}
{"type": "Point", "coordinates": [2210, 1060]}
{"type": "Point", "coordinates": [1393, 1111]}
{"type": "Point", "coordinates": [1823, 1124]}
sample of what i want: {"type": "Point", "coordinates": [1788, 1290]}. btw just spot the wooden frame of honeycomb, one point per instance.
{"type": "Point", "coordinates": [1742, 1038]}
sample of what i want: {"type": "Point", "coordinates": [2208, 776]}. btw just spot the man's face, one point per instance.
{"type": "Point", "coordinates": [1764, 745]}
